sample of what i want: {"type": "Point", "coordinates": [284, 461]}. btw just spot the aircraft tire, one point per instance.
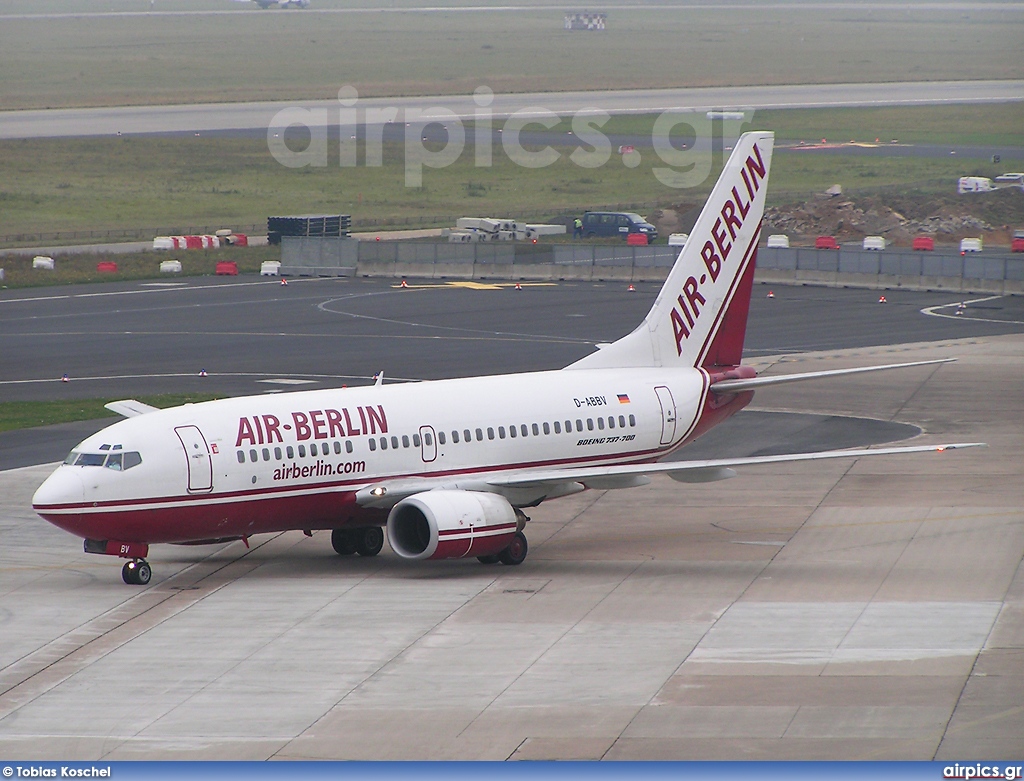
{"type": "Point", "coordinates": [343, 541]}
{"type": "Point", "coordinates": [369, 541]}
{"type": "Point", "coordinates": [136, 573]}
{"type": "Point", "coordinates": [515, 553]}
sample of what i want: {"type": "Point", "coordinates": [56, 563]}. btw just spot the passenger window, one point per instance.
{"type": "Point", "coordinates": [622, 422]}
{"type": "Point", "coordinates": [558, 427]}
{"type": "Point", "coordinates": [511, 432]}
{"type": "Point", "coordinates": [394, 443]}
{"type": "Point", "coordinates": [490, 433]}
{"type": "Point", "coordinates": [501, 431]}
{"type": "Point", "coordinates": [428, 439]}
{"type": "Point", "coordinates": [241, 457]}
{"type": "Point", "coordinates": [590, 424]}
{"type": "Point", "coordinates": [440, 437]}
{"type": "Point", "coordinates": [253, 456]}
{"type": "Point", "coordinates": [465, 435]}
{"type": "Point", "coordinates": [523, 430]}
{"type": "Point", "coordinates": [600, 423]}
{"type": "Point", "coordinates": [547, 428]}
{"type": "Point", "coordinates": [536, 431]}
{"type": "Point", "coordinates": [455, 436]}
{"type": "Point", "coordinates": [579, 424]}
{"type": "Point", "coordinates": [113, 462]}
{"type": "Point", "coordinates": [348, 445]}
{"type": "Point", "coordinates": [312, 449]}
{"type": "Point", "coordinates": [266, 454]}
{"type": "Point", "coordinates": [415, 440]}
{"type": "Point", "coordinates": [302, 451]}
{"type": "Point", "coordinates": [132, 458]}
{"type": "Point", "coordinates": [568, 427]}
{"type": "Point", "coordinates": [289, 451]}
{"type": "Point", "coordinates": [405, 440]}
{"type": "Point", "coordinates": [632, 420]}
{"type": "Point", "coordinates": [337, 448]}
{"type": "Point", "coordinates": [479, 435]}
{"type": "Point", "coordinates": [277, 454]}
{"type": "Point", "coordinates": [383, 443]}
{"type": "Point", "coordinates": [611, 421]}
{"type": "Point", "coordinates": [373, 444]}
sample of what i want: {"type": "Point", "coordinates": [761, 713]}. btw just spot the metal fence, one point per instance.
{"type": "Point", "coordinates": [988, 271]}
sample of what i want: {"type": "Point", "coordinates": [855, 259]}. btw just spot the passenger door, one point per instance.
{"type": "Point", "coordinates": [197, 457]}
{"type": "Point", "coordinates": [668, 414]}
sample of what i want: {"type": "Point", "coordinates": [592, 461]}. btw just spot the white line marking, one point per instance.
{"type": "Point", "coordinates": [932, 310]}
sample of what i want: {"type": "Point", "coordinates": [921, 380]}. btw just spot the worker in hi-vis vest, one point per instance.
{"type": "Point", "coordinates": [577, 228]}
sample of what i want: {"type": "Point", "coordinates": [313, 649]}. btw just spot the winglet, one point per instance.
{"type": "Point", "coordinates": [130, 408]}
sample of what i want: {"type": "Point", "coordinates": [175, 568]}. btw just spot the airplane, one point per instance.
{"type": "Point", "coordinates": [448, 467]}
{"type": "Point", "coordinates": [265, 4]}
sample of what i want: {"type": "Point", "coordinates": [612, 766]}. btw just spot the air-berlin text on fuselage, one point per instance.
{"type": "Point", "coordinates": [313, 424]}
{"type": "Point", "coordinates": [733, 211]}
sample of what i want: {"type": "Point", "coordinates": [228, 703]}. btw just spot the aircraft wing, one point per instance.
{"type": "Point", "coordinates": [736, 386]}
{"type": "Point", "coordinates": [130, 408]}
{"type": "Point", "coordinates": [387, 493]}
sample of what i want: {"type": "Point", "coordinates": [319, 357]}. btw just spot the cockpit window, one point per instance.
{"type": "Point", "coordinates": [117, 460]}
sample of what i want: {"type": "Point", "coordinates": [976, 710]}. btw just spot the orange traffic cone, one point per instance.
{"type": "Point", "coordinates": [518, 286]}
{"type": "Point", "coordinates": [630, 289]}
{"type": "Point", "coordinates": [404, 284]}
{"type": "Point", "coordinates": [771, 294]}
{"type": "Point", "coordinates": [202, 372]}
{"type": "Point", "coordinates": [284, 281]}
{"type": "Point", "coordinates": [881, 300]}
{"type": "Point", "coordinates": [65, 378]}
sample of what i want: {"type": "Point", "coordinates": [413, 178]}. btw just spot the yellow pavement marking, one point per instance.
{"type": "Point", "coordinates": [467, 285]}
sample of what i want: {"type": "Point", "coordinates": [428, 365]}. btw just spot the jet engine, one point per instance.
{"type": "Point", "coordinates": [451, 524]}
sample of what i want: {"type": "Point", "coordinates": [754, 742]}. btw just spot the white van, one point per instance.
{"type": "Point", "coordinates": [678, 239]}
{"type": "Point", "coordinates": [970, 245]}
{"type": "Point", "coordinates": [874, 243]}
{"type": "Point", "coordinates": [778, 240]}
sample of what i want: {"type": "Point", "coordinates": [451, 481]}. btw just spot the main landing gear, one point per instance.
{"type": "Point", "coordinates": [515, 553]}
{"type": "Point", "coordinates": [367, 541]}
{"type": "Point", "coordinates": [136, 572]}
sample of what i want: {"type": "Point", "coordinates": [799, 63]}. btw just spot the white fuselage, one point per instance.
{"type": "Point", "coordinates": [294, 461]}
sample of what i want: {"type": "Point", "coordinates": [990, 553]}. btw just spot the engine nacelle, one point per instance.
{"type": "Point", "coordinates": [451, 524]}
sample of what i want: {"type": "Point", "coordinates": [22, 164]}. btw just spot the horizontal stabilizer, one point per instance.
{"type": "Point", "coordinates": [737, 386]}
{"type": "Point", "coordinates": [130, 408]}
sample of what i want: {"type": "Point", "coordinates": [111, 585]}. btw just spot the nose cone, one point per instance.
{"type": "Point", "coordinates": [59, 499]}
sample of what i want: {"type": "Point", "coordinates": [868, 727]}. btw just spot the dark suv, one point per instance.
{"type": "Point", "coordinates": [617, 224]}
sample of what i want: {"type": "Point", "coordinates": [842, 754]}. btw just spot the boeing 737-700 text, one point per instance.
{"type": "Point", "coordinates": [447, 467]}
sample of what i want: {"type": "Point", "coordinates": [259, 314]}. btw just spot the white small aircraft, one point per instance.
{"type": "Point", "coordinates": [447, 467]}
{"type": "Point", "coordinates": [264, 4]}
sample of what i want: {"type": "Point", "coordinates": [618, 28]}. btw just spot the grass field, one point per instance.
{"type": "Point", "coordinates": [123, 183]}
{"type": "Point", "coordinates": [243, 53]}
{"type": "Point", "coordinates": [78, 269]}
{"type": "Point", "coordinates": [29, 414]}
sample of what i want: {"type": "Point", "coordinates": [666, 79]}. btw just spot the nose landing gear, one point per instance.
{"type": "Point", "coordinates": [136, 572]}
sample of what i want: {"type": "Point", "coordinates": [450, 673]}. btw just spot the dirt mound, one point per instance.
{"type": "Point", "coordinates": [899, 217]}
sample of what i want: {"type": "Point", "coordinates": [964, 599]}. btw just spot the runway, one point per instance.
{"type": "Point", "coordinates": [872, 610]}
{"type": "Point", "coordinates": [201, 118]}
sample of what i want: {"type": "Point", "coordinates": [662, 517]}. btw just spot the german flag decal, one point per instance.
{"type": "Point", "coordinates": [623, 398]}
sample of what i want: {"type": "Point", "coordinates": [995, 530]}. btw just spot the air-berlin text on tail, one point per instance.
{"type": "Point", "coordinates": [313, 424]}
{"type": "Point", "coordinates": [716, 249]}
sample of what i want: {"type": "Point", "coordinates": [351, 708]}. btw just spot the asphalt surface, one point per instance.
{"type": "Point", "coordinates": [123, 340]}
{"type": "Point", "coordinates": [64, 123]}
